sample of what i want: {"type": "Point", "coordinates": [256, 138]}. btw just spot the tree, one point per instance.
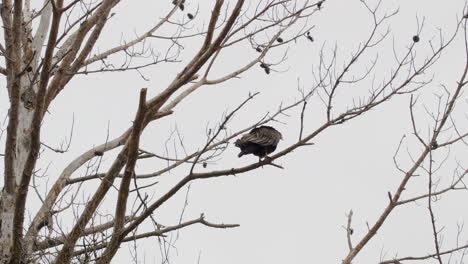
{"type": "Point", "coordinates": [46, 48]}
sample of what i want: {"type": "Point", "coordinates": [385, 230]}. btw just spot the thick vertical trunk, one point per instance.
{"type": "Point", "coordinates": [23, 139]}
{"type": "Point", "coordinates": [6, 220]}
{"type": "Point", "coordinates": [7, 207]}
{"type": "Point", "coordinates": [24, 75]}
{"type": "Point", "coordinates": [23, 147]}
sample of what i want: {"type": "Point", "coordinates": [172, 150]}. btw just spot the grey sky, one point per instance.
{"type": "Point", "coordinates": [293, 215]}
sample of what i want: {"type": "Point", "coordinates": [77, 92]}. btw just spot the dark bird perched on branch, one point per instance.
{"type": "Point", "coordinates": [260, 141]}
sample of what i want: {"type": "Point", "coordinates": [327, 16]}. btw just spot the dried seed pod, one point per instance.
{"type": "Point", "coordinates": [190, 16]}
{"type": "Point", "coordinates": [416, 38]}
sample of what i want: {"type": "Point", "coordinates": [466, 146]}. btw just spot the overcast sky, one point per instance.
{"type": "Point", "coordinates": [295, 215]}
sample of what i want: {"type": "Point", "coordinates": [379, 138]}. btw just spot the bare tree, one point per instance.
{"type": "Point", "coordinates": [45, 48]}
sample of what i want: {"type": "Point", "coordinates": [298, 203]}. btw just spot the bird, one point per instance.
{"type": "Point", "coordinates": [260, 141]}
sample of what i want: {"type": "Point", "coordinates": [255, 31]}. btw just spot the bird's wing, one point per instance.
{"type": "Point", "coordinates": [261, 138]}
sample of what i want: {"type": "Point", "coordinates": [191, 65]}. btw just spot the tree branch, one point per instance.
{"type": "Point", "coordinates": [120, 210]}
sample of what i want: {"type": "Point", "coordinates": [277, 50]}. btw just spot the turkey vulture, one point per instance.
{"type": "Point", "coordinates": [260, 141]}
